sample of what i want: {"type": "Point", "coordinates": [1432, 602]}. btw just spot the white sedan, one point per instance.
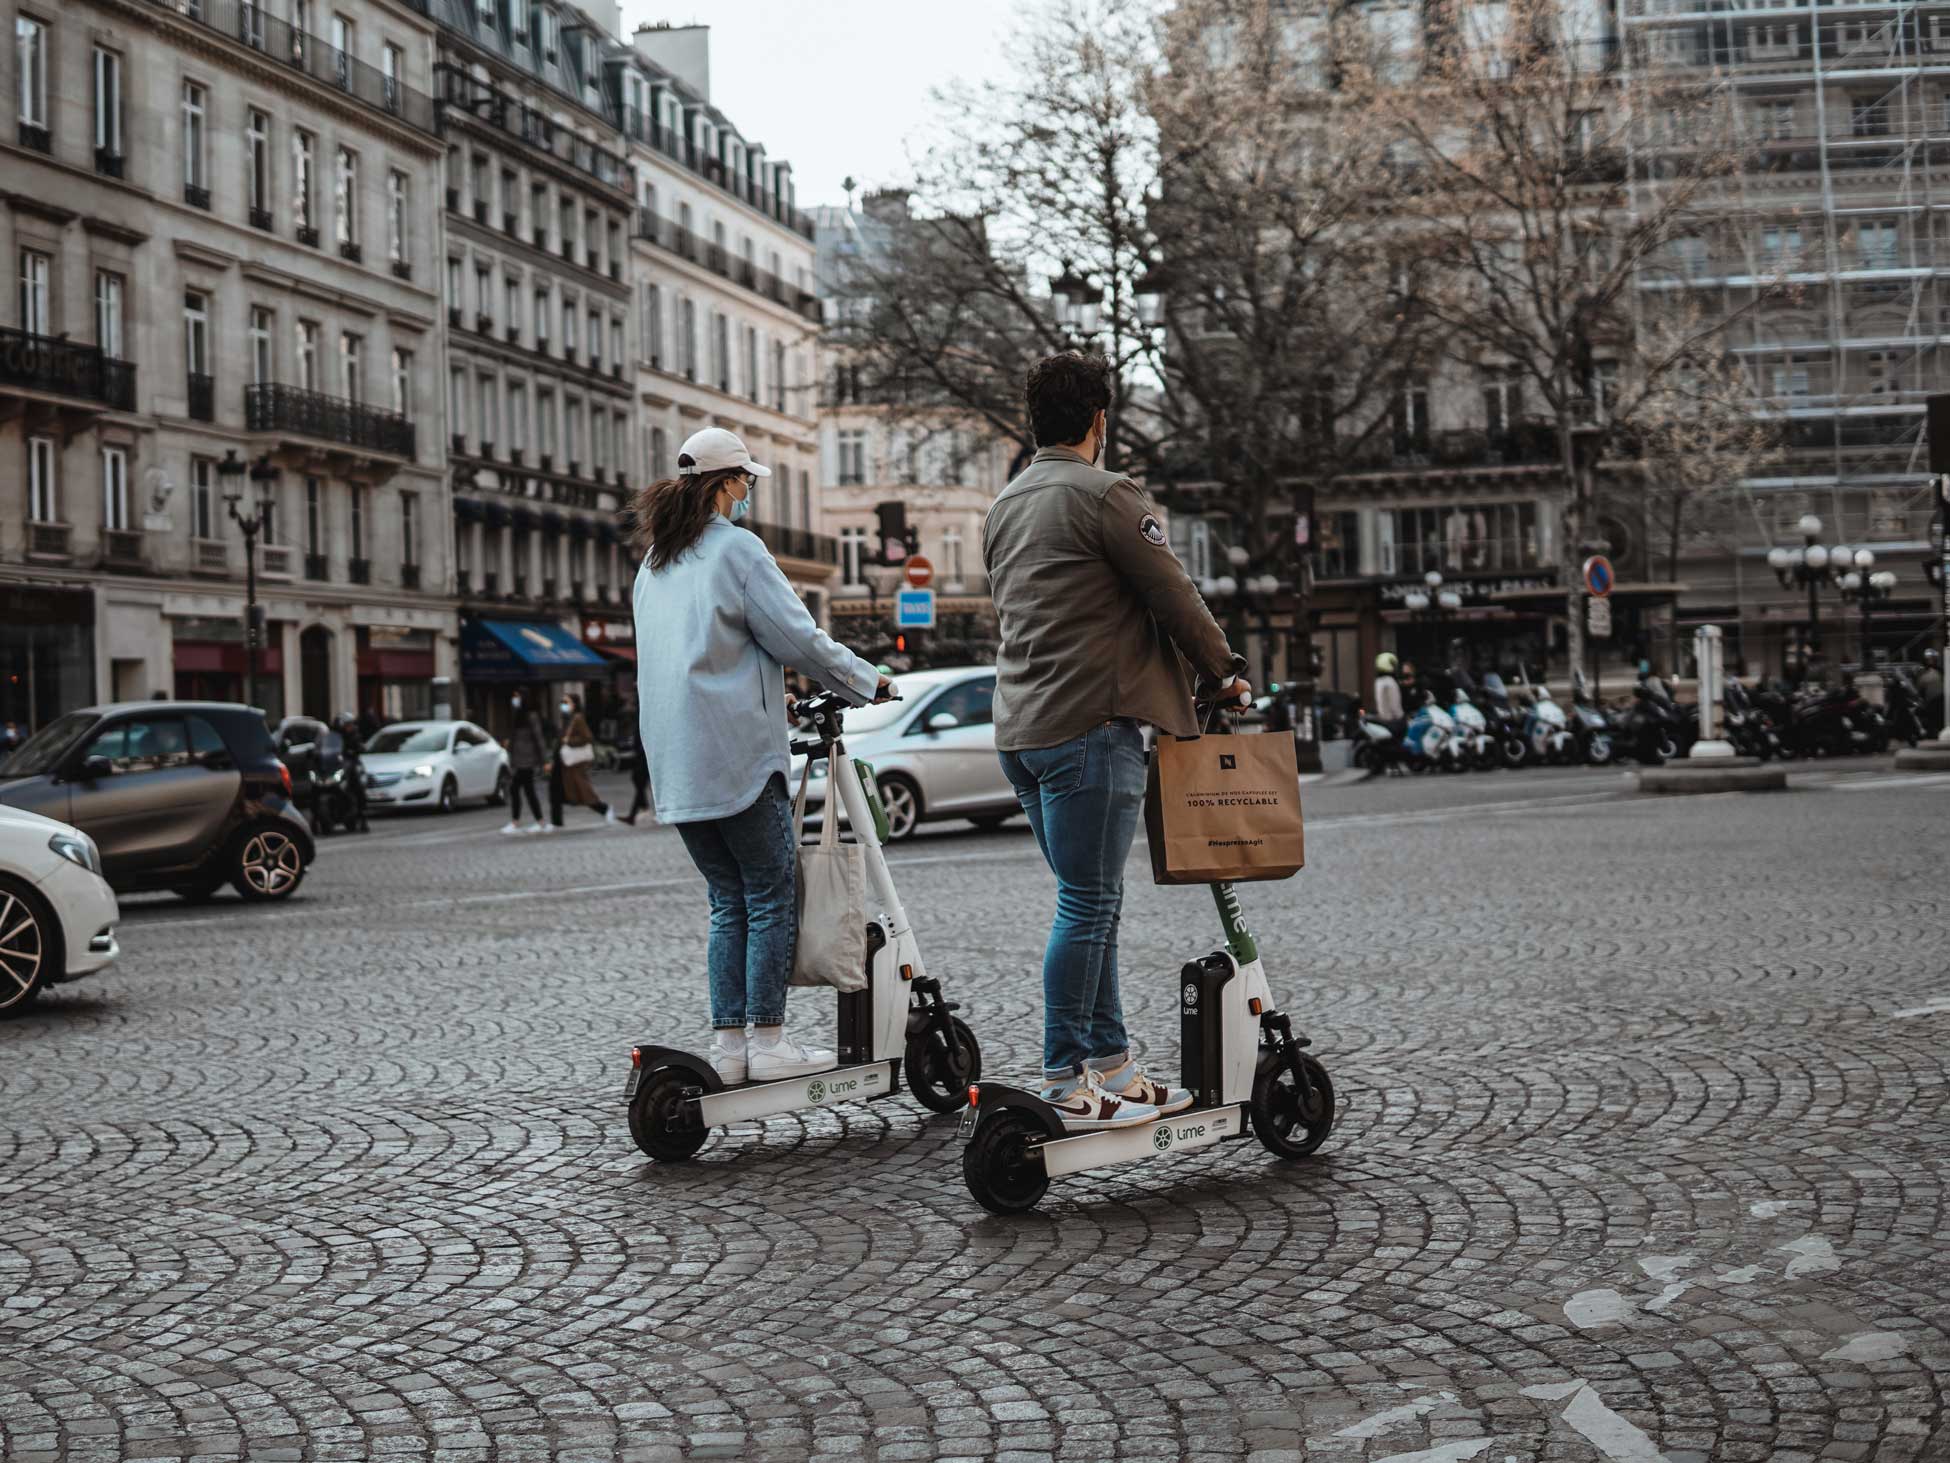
{"type": "Point", "coordinates": [933, 752]}
{"type": "Point", "coordinates": [57, 913]}
{"type": "Point", "coordinates": [434, 764]}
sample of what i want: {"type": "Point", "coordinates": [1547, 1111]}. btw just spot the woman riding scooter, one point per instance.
{"type": "Point", "coordinates": [717, 621]}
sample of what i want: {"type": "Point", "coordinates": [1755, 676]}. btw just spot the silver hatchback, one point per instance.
{"type": "Point", "coordinates": [933, 752]}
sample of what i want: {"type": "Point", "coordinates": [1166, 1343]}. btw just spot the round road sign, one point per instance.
{"type": "Point", "coordinates": [920, 573]}
{"type": "Point", "coordinates": [1598, 575]}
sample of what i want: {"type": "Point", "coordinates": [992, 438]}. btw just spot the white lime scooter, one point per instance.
{"type": "Point", "coordinates": [897, 1028]}
{"type": "Point", "coordinates": [1239, 1057]}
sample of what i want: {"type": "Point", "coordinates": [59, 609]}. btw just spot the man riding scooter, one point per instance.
{"type": "Point", "coordinates": [1095, 614]}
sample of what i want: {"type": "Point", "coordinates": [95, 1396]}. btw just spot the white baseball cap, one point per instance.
{"type": "Point", "coordinates": [713, 450]}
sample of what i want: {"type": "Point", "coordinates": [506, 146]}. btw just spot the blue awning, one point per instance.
{"type": "Point", "coordinates": [523, 650]}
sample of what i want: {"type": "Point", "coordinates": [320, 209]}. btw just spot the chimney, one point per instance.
{"type": "Point", "coordinates": [682, 50]}
{"type": "Point", "coordinates": [886, 205]}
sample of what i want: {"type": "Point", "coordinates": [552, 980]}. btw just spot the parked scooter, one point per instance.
{"type": "Point", "coordinates": [1902, 706]}
{"type": "Point", "coordinates": [1376, 747]}
{"type": "Point", "coordinates": [1432, 740]}
{"type": "Point", "coordinates": [1591, 727]}
{"type": "Point", "coordinates": [1831, 722]}
{"type": "Point", "coordinates": [1648, 727]}
{"type": "Point", "coordinates": [1744, 725]}
{"type": "Point", "coordinates": [1505, 722]}
{"type": "Point", "coordinates": [1547, 730]}
{"type": "Point", "coordinates": [1475, 745]}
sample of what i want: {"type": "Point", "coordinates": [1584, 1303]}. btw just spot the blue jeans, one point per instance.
{"type": "Point", "coordinates": [752, 871]}
{"type": "Point", "coordinates": [1083, 798]}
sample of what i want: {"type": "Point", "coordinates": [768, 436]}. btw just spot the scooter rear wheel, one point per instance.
{"type": "Point", "coordinates": [938, 1081]}
{"type": "Point", "coordinates": [999, 1169]}
{"type": "Point", "coordinates": [1288, 1121]}
{"type": "Point", "coordinates": [663, 1121]}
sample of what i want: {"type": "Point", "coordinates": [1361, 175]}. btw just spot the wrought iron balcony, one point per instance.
{"type": "Point", "coordinates": [797, 543]}
{"type": "Point", "coordinates": [48, 540]}
{"type": "Point", "coordinates": [261, 219]}
{"type": "Point", "coordinates": [196, 197]}
{"type": "Point", "coordinates": [202, 397]}
{"type": "Point", "coordinates": [317, 566]}
{"type": "Point", "coordinates": [36, 137]}
{"type": "Point", "coordinates": [351, 251]}
{"type": "Point", "coordinates": [308, 236]}
{"type": "Point", "coordinates": [109, 163]}
{"type": "Point", "coordinates": [124, 548]}
{"type": "Point", "coordinates": [409, 576]}
{"type": "Point", "coordinates": [402, 269]}
{"type": "Point", "coordinates": [359, 571]}
{"type": "Point", "coordinates": [64, 368]}
{"type": "Point", "coordinates": [275, 408]}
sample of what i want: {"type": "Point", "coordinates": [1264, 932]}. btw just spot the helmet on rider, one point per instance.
{"type": "Point", "coordinates": [1386, 663]}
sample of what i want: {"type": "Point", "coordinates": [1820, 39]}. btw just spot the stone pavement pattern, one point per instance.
{"type": "Point", "coordinates": [1642, 1155]}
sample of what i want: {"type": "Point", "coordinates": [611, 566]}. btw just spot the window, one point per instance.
{"type": "Point", "coordinates": [1484, 537]}
{"type": "Point", "coordinates": [391, 63]}
{"type": "Point", "coordinates": [398, 202]}
{"type": "Point", "coordinates": [30, 66]}
{"type": "Point", "coordinates": [510, 192]}
{"type": "Point", "coordinates": [1502, 401]}
{"type": "Point", "coordinates": [403, 382]}
{"type": "Point", "coordinates": [659, 453]}
{"type": "Point", "coordinates": [1772, 42]}
{"type": "Point", "coordinates": [751, 363]}
{"type": "Point", "coordinates": [196, 171]}
{"type": "Point", "coordinates": [483, 289]}
{"type": "Point", "coordinates": [545, 421]}
{"type": "Point", "coordinates": [972, 703]}
{"type": "Point", "coordinates": [1338, 552]}
{"type": "Point", "coordinates": [517, 415]}
{"type": "Point", "coordinates": [477, 181]}
{"type": "Point", "coordinates": [344, 43]}
{"type": "Point", "coordinates": [538, 210]}
{"type": "Point", "coordinates": [262, 324]}
{"type": "Point", "coordinates": [721, 351]}
{"type": "Point", "coordinates": [853, 553]}
{"type": "Point", "coordinates": [572, 431]}
{"type": "Point", "coordinates": [358, 521]}
{"type": "Point", "coordinates": [778, 375]}
{"type": "Point", "coordinates": [352, 367]}
{"type": "Point", "coordinates": [455, 300]}
{"type": "Point", "coordinates": [34, 269]}
{"type": "Point", "coordinates": [1792, 378]}
{"type": "Point", "coordinates": [490, 414]}
{"type": "Point", "coordinates": [196, 334]}
{"type": "Point", "coordinates": [653, 325]}
{"type": "Point", "coordinates": [568, 326]}
{"type": "Point", "coordinates": [346, 196]}
{"type": "Point", "coordinates": [1780, 246]}
{"type": "Point", "coordinates": [1774, 120]}
{"type": "Point", "coordinates": [301, 179]}
{"type": "Point", "coordinates": [115, 489]}
{"type": "Point", "coordinates": [457, 402]}
{"type": "Point", "coordinates": [541, 317]}
{"type": "Point", "coordinates": [1878, 244]}
{"type": "Point", "coordinates": [951, 557]}
{"type": "Point", "coordinates": [409, 528]}
{"type": "Point", "coordinates": [43, 501]}
{"type": "Point", "coordinates": [616, 339]}
{"type": "Point", "coordinates": [307, 356]}
{"type": "Point", "coordinates": [203, 496]}
{"type": "Point", "coordinates": [314, 518]}
{"type": "Point", "coordinates": [599, 438]}
{"type": "Point", "coordinates": [108, 102]}
{"type": "Point", "coordinates": [1882, 371]}
{"type": "Point", "coordinates": [146, 744]}
{"type": "Point", "coordinates": [257, 157]}
{"type": "Point", "coordinates": [687, 333]}
{"type": "Point", "coordinates": [853, 456]}
{"type": "Point", "coordinates": [1410, 411]}
{"type": "Point", "coordinates": [595, 338]}
{"type": "Point", "coordinates": [1869, 116]}
{"type": "Point", "coordinates": [512, 297]}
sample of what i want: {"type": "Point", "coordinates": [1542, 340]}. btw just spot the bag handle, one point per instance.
{"type": "Point", "coordinates": [829, 825]}
{"type": "Point", "coordinates": [799, 803]}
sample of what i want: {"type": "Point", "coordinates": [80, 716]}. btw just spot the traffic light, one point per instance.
{"type": "Point", "coordinates": [895, 540]}
{"type": "Point", "coordinates": [900, 644]}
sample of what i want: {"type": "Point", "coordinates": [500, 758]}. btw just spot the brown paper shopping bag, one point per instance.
{"type": "Point", "coordinates": [1224, 808]}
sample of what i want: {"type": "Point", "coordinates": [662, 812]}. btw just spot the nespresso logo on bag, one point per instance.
{"type": "Point", "coordinates": [1228, 762]}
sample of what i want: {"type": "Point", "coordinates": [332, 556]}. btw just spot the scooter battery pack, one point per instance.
{"type": "Point", "coordinates": [1201, 1043]}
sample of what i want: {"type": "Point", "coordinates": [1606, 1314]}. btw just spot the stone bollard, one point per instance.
{"type": "Point", "coordinates": [1709, 648]}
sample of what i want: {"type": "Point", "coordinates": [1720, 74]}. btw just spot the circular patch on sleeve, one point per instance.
{"type": "Point", "coordinates": [1152, 530]}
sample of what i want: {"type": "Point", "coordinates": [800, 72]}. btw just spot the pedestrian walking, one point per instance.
{"type": "Point", "coordinates": [528, 747]}
{"type": "Point", "coordinates": [639, 781]}
{"type": "Point", "coordinates": [717, 621]}
{"type": "Point", "coordinates": [570, 764]}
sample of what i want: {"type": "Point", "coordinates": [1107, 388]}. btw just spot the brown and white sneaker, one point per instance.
{"type": "Point", "coordinates": [1089, 1106]}
{"type": "Point", "coordinates": [1129, 1083]}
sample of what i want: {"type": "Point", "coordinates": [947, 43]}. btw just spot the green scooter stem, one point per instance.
{"type": "Point", "coordinates": [1239, 939]}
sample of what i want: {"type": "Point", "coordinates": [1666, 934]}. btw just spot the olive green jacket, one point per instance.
{"type": "Point", "coordinates": [1098, 617]}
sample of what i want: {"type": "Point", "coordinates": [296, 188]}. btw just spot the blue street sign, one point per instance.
{"type": "Point", "coordinates": [914, 609]}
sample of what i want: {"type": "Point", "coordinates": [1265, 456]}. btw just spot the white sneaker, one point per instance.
{"type": "Point", "coordinates": [729, 1065]}
{"type": "Point", "coordinates": [511, 828]}
{"type": "Point", "coordinates": [609, 816]}
{"type": "Point", "coordinates": [543, 828]}
{"type": "Point", "coordinates": [1088, 1107]}
{"type": "Point", "coordinates": [1129, 1084]}
{"type": "Point", "coordinates": [787, 1057]}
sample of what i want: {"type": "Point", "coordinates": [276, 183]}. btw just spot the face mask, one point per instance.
{"type": "Point", "coordinates": [515, 702]}
{"type": "Point", "coordinates": [741, 506]}
{"type": "Point", "coordinates": [566, 708]}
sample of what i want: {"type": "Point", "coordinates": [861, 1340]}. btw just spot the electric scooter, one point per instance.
{"type": "Point", "coordinates": [1239, 1057]}
{"type": "Point", "coordinates": [897, 1028]}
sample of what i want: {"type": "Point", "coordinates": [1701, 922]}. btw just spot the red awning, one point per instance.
{"type": "Point", "coordinates": [617, 652]}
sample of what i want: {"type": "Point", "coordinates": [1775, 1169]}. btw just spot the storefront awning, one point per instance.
{"type": "Point", "coordinates": [521, 650]}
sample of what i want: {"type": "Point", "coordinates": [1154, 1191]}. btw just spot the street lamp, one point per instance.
{"type": "Point", "coordinates": [1868, 589]}
{"type": "Point", "coordinates": [1810, 567]}
{"type": "Point", "coordinates": [257, 520]}
{"type": "Point", "coordinates": [1078, 302]}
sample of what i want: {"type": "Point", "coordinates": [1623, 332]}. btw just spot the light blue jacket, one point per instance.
{"type": "Point", "coordinates": [714, 630]}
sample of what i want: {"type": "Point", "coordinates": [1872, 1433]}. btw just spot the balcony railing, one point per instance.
{"type": "Point", "coordinates": [36, 137]}
{"type": "Point", "coordinates": [209, 556]}
{"type": "Point", "coordinates": [317, 566]}
{"type": "Point", "coordinates": [261, 219]}
{"type": "Point", "coordinates": [255, 27]}
{"type": "Point", "coordinates": [673, 238]}
{"type": "Point", "coordinates": [409, 576]}
{"type": "Point", "coordinates": [458, 91]}
{"type": "Point", "coordinates": [196, 196]}
{"type": "Point", "coordinates": [48, 540]}
{"type": "Point", "coordinates": [274, 560]}
{"type": "Point", "coordinates": [124, 548]}
{"type": "Point", "coordinates": [682, 150]}
{"type": "Point", "coordinates": [359, 571]}
{"type": "Point", "coordinates": [275, 408]}
{"type": "Point", "coordinates": [797, 543]}
{"type": "Point", "coordinates": [202, 393]}
{"type": "Point", "coordinates": [63, 368]}
{"type": "Point", "coordinates": [109, 163]}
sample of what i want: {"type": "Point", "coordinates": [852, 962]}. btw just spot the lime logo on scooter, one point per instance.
{"type": "Point", "coordinates": [1161, 1139]}
{"type": "Point", "coordinates": [1191, 995]}
{"type": "Point", "coordinates": [815, 1091]}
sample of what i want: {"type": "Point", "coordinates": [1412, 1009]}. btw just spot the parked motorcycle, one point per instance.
{"type": "Point", "coordinates": [1648, 727]}
{"type": "Point", "coordinates": [1505, 722]}
{"type": "Point", "coordinates": [1591, 727]}
{"type": "Point", "coordinates": [1831, 722]}
{"type": "Point", "coordinates": [1376, 747]}
{"type": "Point", "coordinates": [1745, 726]}
{"type": "Point", "coordinates": [1432, 740]}
{"type": "Point", "coordinates": [1902, 706]}
{"type": "Point", "coordinates": [1547, 730]}
{"type": "Point", "coordinates": [1474, 743]}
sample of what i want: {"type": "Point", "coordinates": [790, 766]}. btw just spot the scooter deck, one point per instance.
{"type": "Point", "coordinates": [790, 1094]}
{"type": "Point", "coordinates": [1182, 1132]}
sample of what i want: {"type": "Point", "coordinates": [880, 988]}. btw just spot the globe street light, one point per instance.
{"type": "Point", "coordinates": [1810, 567]}
{"type": "Point", "coordinates": [1868, 589]}
{"type": "Point", "coordinates": [256, 521]}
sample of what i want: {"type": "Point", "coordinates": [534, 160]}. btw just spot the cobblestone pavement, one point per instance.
{"type": "Point", "coordinates": [1642, 1155]}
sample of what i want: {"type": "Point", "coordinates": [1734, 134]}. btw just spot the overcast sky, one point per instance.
{"type": "Point", "coordinates": [838, 87]}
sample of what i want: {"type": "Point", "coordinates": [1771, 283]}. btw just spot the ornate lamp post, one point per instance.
{"type": "Point", "coordinates": [1868, 589]}
{"type": "Point", "coordinates": [1811, 566]}
{"type": "Point", "coordinates": [256, 520]}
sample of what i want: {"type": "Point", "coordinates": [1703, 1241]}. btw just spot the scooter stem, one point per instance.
{"type": "Point", "coordinates": [1239, 939]}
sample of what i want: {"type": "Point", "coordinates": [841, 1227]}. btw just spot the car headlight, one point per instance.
{"type": "Point", "coordinates": [78, 848]}
{"type": "Point", "coordinates": [425, 769]}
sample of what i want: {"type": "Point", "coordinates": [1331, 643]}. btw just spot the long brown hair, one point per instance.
{"type": "Point", "coordinates": [670, 515]}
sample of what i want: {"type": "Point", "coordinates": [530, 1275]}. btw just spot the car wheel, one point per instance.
{"type": "Point", "coordinates": [902, 801]}
{"type": "Point", "coordinates": [449, 795]}
{"type": "Point", "coordinates": [499, 797]}
{"type": "Point", "coordinates": [30, 946]}
{"type": "Point", "coordinates": [270, 865]}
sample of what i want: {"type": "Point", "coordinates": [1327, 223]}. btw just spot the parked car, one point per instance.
{"type": "Point", "coordinates": [57, 913]}
{"type": "Point", "coordinates": [182, 795]}
{"type": "Point", "coordinates": [434, 763]}
{"type": "Point", "coordinates": [933, 752]}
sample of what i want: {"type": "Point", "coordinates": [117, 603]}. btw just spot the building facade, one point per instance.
{"type": "Point", "coordinates": [219, 222]}
{"type": "Point", "coordinates": [539, 379]}
{"type": "Point", "coordinates": [727, 314]}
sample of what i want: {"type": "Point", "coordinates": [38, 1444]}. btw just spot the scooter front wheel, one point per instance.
{"type": "Point", "coordinates": [998, 1167]}
{"type": "Point", "coordinates": [663, 1121]}
{"type": "Point", "coordinates": [1289, 1119]}
{"type": "Point", "coordinates": [938, 1080]}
